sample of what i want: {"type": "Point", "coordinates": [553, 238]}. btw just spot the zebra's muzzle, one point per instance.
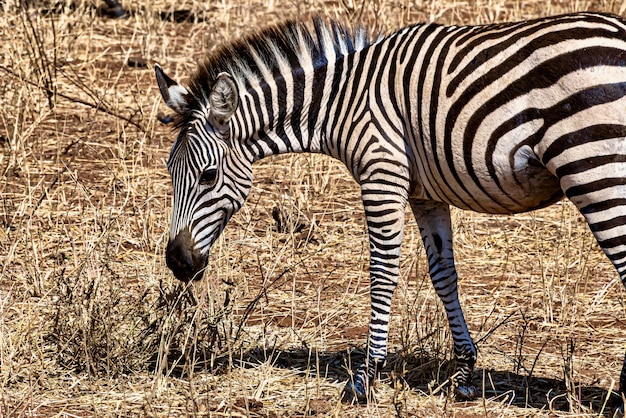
{"type": "Point", "coordinates": [183, 259]}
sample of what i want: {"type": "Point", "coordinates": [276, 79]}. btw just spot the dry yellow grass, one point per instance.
{"type": "Point", "coordinates": [93, 324]}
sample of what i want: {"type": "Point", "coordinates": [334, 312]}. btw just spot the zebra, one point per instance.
{"type": "Point", "coordinates": [499, 118]}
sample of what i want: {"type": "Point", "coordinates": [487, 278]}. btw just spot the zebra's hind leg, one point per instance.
{"type": "Point", "coordinates": [433, 219]}
{"type": "Point", "coordinates": [358, 388]}
{"type": "Point", "coordinates": [599, 192]}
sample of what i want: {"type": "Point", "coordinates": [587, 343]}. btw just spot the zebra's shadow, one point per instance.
{"type": "Point", "coordinates": [423, 373]}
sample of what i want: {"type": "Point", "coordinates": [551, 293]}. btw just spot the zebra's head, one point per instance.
{"type": "Point", "coordinates": [210, 174]}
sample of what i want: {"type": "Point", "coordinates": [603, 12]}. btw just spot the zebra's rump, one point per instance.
{"type": "Point", "coordinates": [501, 110]}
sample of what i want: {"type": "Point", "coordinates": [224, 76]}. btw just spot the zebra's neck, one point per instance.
{"type": "Point", "coordinates": [273, 117]}
{"type": "Point", "coordinates": [319, 106]}
{"type": "Point", "coordinates": [286, 78]}
{"type": "Point", "coordinates": [285, 115]}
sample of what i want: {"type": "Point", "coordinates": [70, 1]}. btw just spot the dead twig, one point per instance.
{"type": "Point", "coordinates": [97, 106]}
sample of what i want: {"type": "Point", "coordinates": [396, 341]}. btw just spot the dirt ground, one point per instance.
{"type": "Point", "coordinates": [94, 324]}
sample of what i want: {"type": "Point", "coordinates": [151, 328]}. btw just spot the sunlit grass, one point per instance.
{"type": "Point", "coordinates": [93, 323]}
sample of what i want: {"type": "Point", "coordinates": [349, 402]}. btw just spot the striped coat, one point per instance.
{"type": "Point", "coordinates": [499, 119]}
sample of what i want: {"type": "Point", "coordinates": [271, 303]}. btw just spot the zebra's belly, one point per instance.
{"type": "Point", "coordinates": [512, 182]}
{"type": "Point", "coordinates": [523, 183]}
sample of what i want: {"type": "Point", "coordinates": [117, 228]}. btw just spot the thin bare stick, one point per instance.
{"type": "Point", "coordinates": [97, 106]}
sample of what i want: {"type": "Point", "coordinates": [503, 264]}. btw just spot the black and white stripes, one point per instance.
{"type": "Point", "coordinates": [500, 119]}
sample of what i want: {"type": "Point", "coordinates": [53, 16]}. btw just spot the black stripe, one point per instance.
{"type": "Point", "coordinates": [589, 163]}
{"type": "Point", "coordinates": [604, 205]}
{"type": "Point", "coordinates": [281, 98]}
{"type": "Point", "coordinates": [595, 186]}
{"type": "Point", "coordinates": [317, 93]}
{"type": "Point", "coordinates": [617, 256]}
{"type": "Point", "coordinates": [613, 242]}
{"type": "Point", "coordinates": [298, 106]}
{"type": "Point", "coordinates": [608, 224]}
{"type": "Point", "coordinates": [582, 136]}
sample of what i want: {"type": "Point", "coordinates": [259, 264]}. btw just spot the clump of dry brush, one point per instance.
{"type": "Point", "coordinates": [101, 328]}
{"type": "Point", "coordinates": [66, 304]}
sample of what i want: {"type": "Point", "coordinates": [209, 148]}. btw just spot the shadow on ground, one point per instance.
{"type": "Point", "coordinates": [114, 9]}
{"type": "Point", "coordinates": [420, 373]}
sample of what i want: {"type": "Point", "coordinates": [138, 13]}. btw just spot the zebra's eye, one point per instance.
{"type": "Point", "coordinates": [208, 177]}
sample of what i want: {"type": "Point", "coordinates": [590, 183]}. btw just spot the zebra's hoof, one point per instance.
{"type": "Point", "coordinates": [617, 410]}
{"type": "Point", "coordinates": [354, 392]}
{"type": "Point", "coordinates": [115, 12]}
{"type": "Point", "coordinates": [165, 119]}
{"type": "Point", "coordinates": [465, 392]}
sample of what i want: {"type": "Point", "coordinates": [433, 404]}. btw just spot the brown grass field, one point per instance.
{"type": "Point", "coordinates": [92, 323]}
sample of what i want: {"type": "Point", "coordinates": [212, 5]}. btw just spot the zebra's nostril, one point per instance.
{"type": "Point", "coordinates": [182, 259]}
{"type": "Point", "coordinates": [178, 261]}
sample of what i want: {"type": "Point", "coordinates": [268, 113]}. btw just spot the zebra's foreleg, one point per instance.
{"type": "Point", "coordinates": [433, 219]}
{"type": "Point", "coordinates": [385, 221]}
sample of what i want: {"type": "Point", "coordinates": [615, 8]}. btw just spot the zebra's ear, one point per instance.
{"type": "Point", "coordinates": [173, 93]}
{"type": "Point", "coordinates": [224, 99]}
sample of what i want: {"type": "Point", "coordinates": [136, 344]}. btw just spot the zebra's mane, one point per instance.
{"type": "Point", "coordinates": [264, 54]}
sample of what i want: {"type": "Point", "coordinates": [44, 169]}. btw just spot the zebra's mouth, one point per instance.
{"type": "Point", "coordinates": [185, 272]}
{"type": "Point", "coordinates": [183, 259]}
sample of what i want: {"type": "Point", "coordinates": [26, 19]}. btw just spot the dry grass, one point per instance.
{"type": "Point", "coordinates": [93, 324]}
